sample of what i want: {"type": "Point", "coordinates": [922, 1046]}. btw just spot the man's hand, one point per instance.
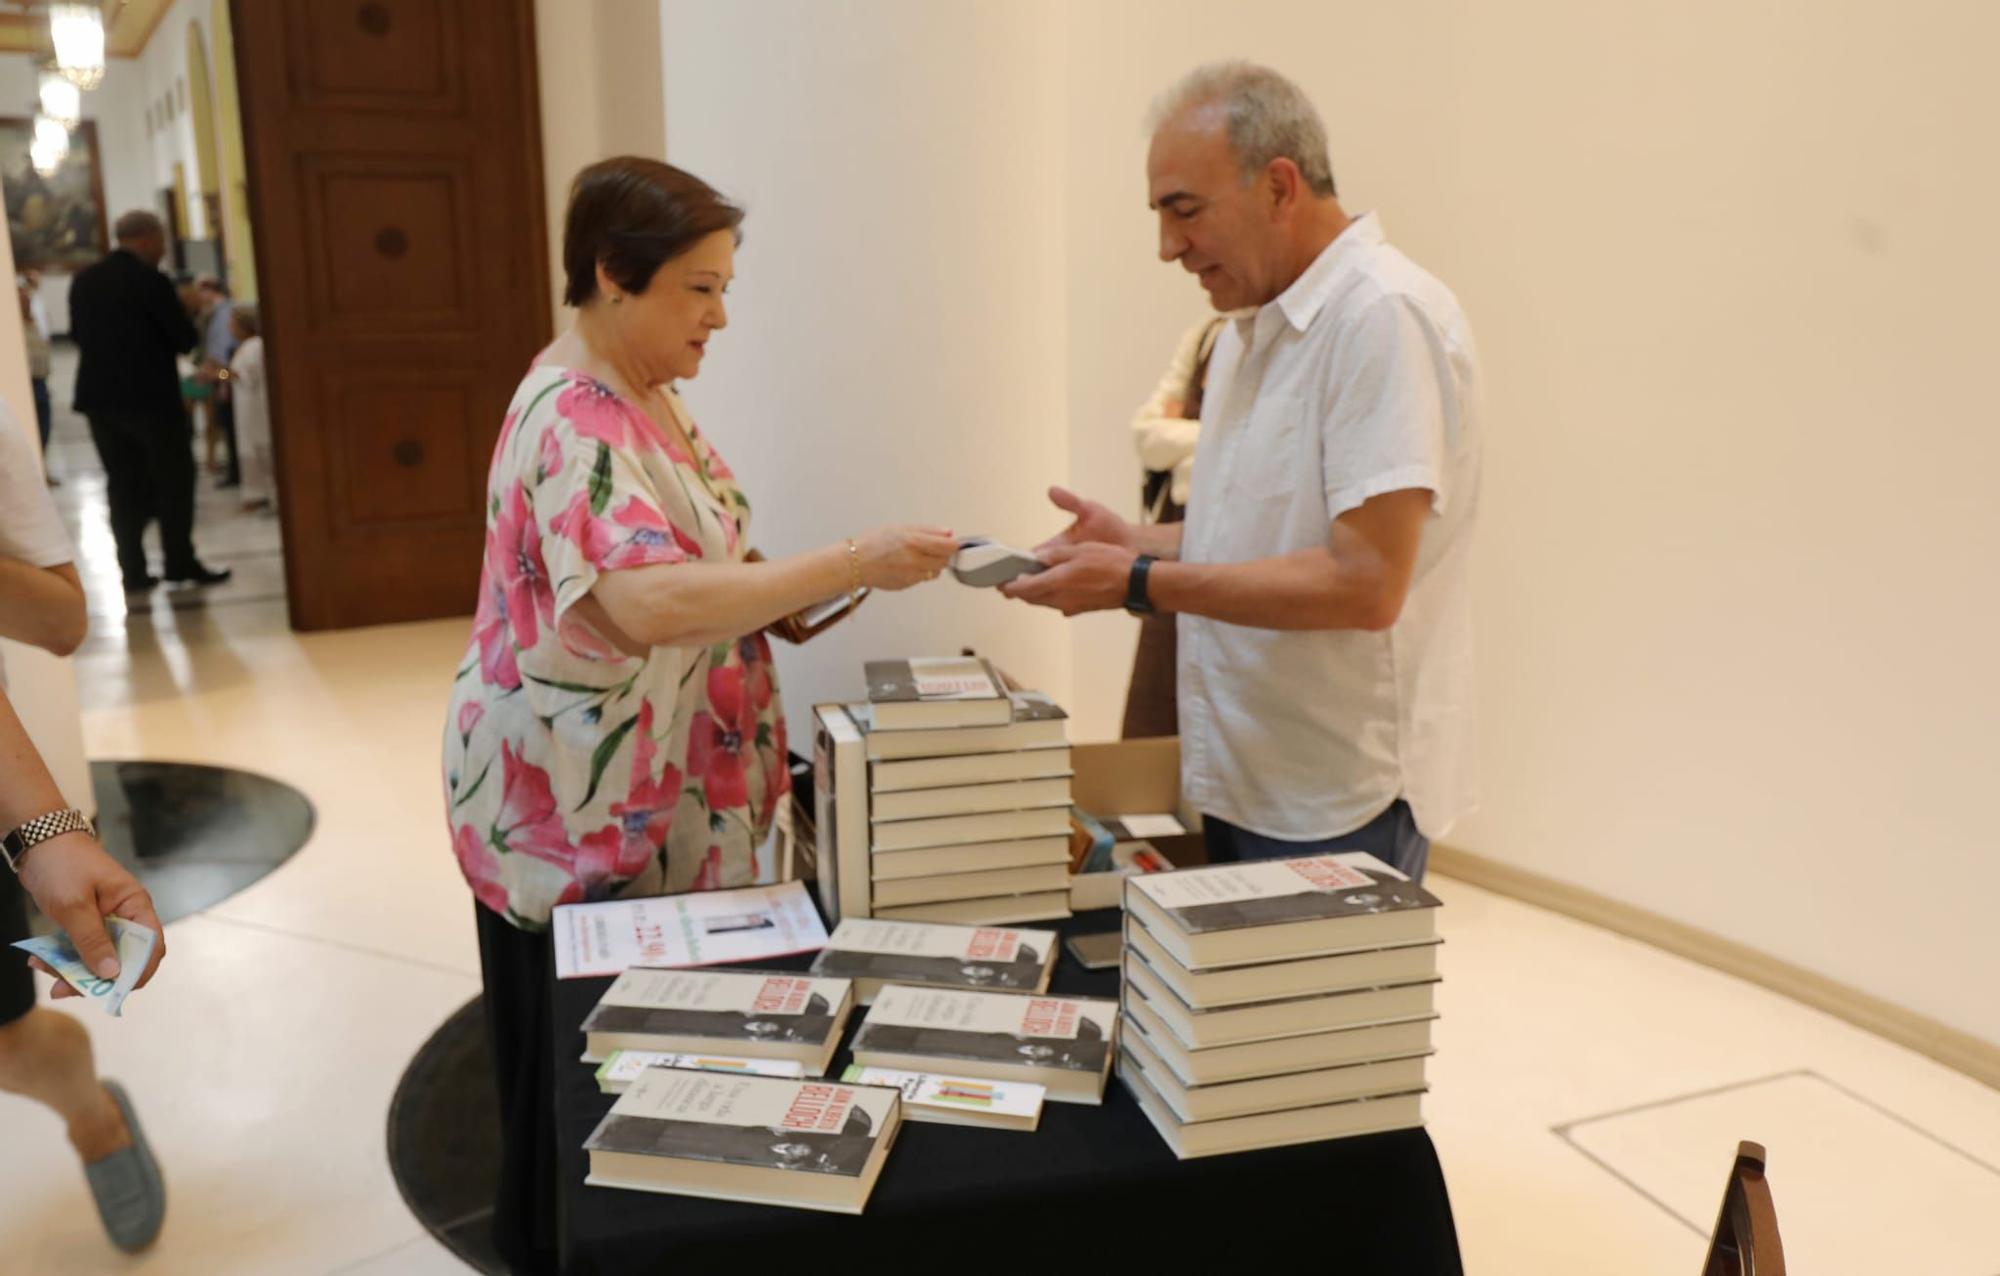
{"type": "Point", "coordinates": [74, 881]}
{"type": "Point", "coordinates": [1088, 577]}
{"type": "Point", "coordinates": [1092, 522]}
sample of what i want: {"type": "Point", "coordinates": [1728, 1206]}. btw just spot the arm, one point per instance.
{"type": "Point", "coordinates": [693, 604]}
{"type": "Point", "coordinates": [164, 304]}
{"type": "Point", "coordinates": [1164, 436]}
{"type": "Point", "coordinates": [70, 878]}
{"type": "Point", "coordinates": [1357, 580]}
{"type": "Point", "coordinates": [42, 606]}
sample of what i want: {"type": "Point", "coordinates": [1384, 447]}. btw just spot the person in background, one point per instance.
{"type": "Point", "coordinates": [252, 407]}
{"type": "Point", "coordinates": [35, 333]}
{"type": "Point", "coordinates": [1165, 430]}
{"type": "Point", "coordinates": [1323, 572]}
{"type": "Point", "coordinates": [46, 1055]}
{"type": "Point", "coordinates": [615, 726]}
{"type": "Point", "coordinates": [130, 328]}
{"type": "Point", "coordinates": [218, 347]}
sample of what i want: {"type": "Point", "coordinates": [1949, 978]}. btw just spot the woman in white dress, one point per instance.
{"type": "Point", "coordinates": [253, 411]}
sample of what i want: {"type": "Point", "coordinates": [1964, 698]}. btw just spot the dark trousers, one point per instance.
{"type": "Point", "coordinates": [44, 412]}
{"type": "Point", "coordinates": [1391, 837]}
{"type": "Point", "coordinates": [17, 985]}
{"type": "Point", "coordinates": [517, 968]}
{"type": "Point", "coordinates": [149, 471]}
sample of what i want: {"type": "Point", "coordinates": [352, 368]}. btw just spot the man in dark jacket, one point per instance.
{"type": "Point", "coordinates": [129, 325]}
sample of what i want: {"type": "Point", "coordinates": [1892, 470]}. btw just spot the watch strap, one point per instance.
{"type": "Point", "coordinates": [1137, 600]}
{"type": "Point", "coordinates": [40, 829]}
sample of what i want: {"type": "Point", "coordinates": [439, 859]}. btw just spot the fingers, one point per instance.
{"type": "Point", "coordinates": [139, 908]}
{"type": "Point", "coordinates": [62, 988]}
{"type": "Point", "coordinates": [1056, 555]}
{"type": "Point", "coordinates": [1066, 500]}
{"type": "Point", "coordinates": [79, 920]}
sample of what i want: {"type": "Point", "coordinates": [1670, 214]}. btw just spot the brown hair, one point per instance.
{"type": "Point", "coordinates": [634, 215]}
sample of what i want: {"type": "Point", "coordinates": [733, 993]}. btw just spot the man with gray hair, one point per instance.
{"type": "Point", "coordinates": [1321, 577]}
{"type": "Point", "coordinates": [129, 327]}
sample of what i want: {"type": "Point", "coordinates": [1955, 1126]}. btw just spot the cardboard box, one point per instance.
{"type": "Point", "coordinates": [1131, 777]}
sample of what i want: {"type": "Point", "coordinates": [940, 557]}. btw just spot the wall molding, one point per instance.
{"type": "Point", "coordinates": [1971, 1055]}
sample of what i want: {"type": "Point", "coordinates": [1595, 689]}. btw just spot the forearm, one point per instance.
{"type": "Point", "coordinates": [1309, 589]}
{"type": "Point", "coordinates": [696, 604]}
{"type": "Point", "coordinates": [26, 787]}
{"type": "Point", "coordinates": [42, 606]}
{"type": "Point", "coordinates": [1161, 540]}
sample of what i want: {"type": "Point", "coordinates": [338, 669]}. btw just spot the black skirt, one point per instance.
{"type": "Point", "coordinates": [516, 965]}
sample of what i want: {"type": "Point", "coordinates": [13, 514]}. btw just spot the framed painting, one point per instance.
{"type": "Point", "coordinates": [56, 221]}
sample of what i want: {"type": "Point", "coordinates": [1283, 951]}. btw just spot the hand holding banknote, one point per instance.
{"type": "Point", "coordinates": [135, 943]}
{"type": "Point", "coordinates": [73, 880]}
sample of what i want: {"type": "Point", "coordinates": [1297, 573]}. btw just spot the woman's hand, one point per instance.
{"type": "Point", "coordinates": [895, 558]}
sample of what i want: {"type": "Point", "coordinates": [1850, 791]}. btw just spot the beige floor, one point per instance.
{"type": "Point", "coordinates": [1587, 1093]}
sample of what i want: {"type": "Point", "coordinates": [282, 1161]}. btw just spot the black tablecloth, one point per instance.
{"type": "Point", "coordinates": [1092, 1185]}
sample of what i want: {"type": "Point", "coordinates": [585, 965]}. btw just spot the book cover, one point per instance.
{"type": "Point", "coordinates": [927, 680]}
{"type": "Point", "coordinates": [1034, 722]}
{"type": "Point", "coordinates": [811, 1127]}
{"type": "Point", "coordinates": [968, 1095]}
{"type": "Point", "coordinates": [924, 953]}
{"type": "Point", "coordinates": [754, 923]}
{"type": "Point", "coordinates": [722, 1005]}
{"type": "Point", "coordinates": [957, 830]}
{"type": "Point", "coordinates": [1225, 897]}
{"type": "Point", "coordinates": [1010, 1028]}
{"type": "Point", "coordinates": [969, 799]}
{"type": "Point", "coordinates": [970, 768]}
{"type": "Point", "coordinates": [840, 803]}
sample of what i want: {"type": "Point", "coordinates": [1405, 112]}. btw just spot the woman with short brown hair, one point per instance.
{"type": "Point", "coordinates": [616, 727]}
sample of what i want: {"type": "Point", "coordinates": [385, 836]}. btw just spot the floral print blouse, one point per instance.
{"type": "Point", "coordinates": [573, 771]}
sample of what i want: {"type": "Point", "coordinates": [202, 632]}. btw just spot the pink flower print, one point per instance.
{"type": "Point", "coordinates": [777, 772]}
{"type": "Point", "coordinates": [514, 561]}
{"type": "Point", "coordinates": [507, 425]}
{"type": "Point", "coordinates": [710, 876]}
{"type": "Point", "coordinates": [648, 538]}
{"type": "Point", "coordinates": [481, 868]}
{"type": "Point", "coordinates": [469, 715]}
{"type": "Point", "coordinates": [720, 737]}
{"type": "Point", "coordinates": [595, 411]}
{"type": "Point", "coordinates": [606, 859]}
{"type": "Point", "coordinates": [755, 656]}
{"type": "Point", "coordinates": [593, 536]}
{"type": "Point", "coordinates": [497, 666]}
{"type": "Point", "coordinates": [552, 457]}
{"type": "Point", "coordinates": [647, 813]}
{"type": "Point", "coordinates": [528, 821]}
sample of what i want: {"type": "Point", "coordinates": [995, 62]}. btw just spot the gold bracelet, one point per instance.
{"type": "Point", "coordinates": [853, 571]}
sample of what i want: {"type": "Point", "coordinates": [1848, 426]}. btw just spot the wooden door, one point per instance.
{"type": "Point", "coordinates": [395, 175]}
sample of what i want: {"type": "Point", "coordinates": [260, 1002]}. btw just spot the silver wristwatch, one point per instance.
{"type": "Point", "coordinates": [39, 830]}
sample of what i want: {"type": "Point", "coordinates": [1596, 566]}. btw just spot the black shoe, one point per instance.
{"type": "Point", "coordinates": [202, 576]}
{"type": "Point", "coordinates": [140, 585]}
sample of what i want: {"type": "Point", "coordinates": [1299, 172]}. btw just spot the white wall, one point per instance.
{"type": "Point", "coordinates": [896, 344]}
{"type": "Point", "coordinates": [1731, 270]}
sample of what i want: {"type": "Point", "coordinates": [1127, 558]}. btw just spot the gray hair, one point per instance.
{"type": "Point", "coordinates": [246, 315]}
{"type": "Point", "coordinates": [1265, 117]}
{"type": "Point", "coordinates": [138, 224]}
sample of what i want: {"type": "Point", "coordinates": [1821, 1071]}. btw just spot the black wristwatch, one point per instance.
{"type": "Point", "coordinates": [1136, 600]}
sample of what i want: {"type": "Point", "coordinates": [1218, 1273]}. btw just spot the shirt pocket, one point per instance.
{"type": "Point", "coordinates": [1268, 461]}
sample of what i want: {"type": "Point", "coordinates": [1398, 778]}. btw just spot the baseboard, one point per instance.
{"type": "Point", "coordinates": [1974, 1057]}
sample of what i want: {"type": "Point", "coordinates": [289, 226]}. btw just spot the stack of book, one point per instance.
{"type": "Point", "coordinates": [943, 798]}
{"type": "Point", "coordinates": [876, 952]}
{"type": "Point", "coordinates": [1062, 1044]}
{"type": "Point", "coordinates": [750, 1014]}
{"type": "Point", "coordinates": [1277, 1002]}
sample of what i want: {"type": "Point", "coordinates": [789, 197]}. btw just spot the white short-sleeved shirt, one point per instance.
{"type": "Point", "coordinates": [1359, 379]}
{"type": "Point", "coordinates": [30, 528]}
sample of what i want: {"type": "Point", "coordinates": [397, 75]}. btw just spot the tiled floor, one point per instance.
{"type": "Point", "coordinates": [1587, 1095]}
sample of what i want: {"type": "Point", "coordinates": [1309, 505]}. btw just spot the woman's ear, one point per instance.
{"type": "Point", "coordinates": [606, 289]}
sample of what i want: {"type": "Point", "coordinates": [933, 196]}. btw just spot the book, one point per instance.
{"type": "Point", "coordinates": [1289, 1017]}
{"type": "Point", "coordinates": [874, 952]}
{"type": "Point", "coordinates": [969, 799]}
{"type": "Point", "coordinates": [957, 830]}
{"type": "Point", "coordinates": [1239, 985]}
{"type": "Point", "coordinates": [927, 694]}
{"type": "Point", "coordinates": [754, 923]}
{"type": "Point", "coordinates": [622, 1067]}
{"type": "Point", "coordinates": [1035, 722]}
{"type": "Point", "coordinates": [763, 1014]}
{"type": "Point", "coordinates": [840, 814]}
{"type": "Point", "coordinates": [815, 1145]}
{"type": "Point", "coordinates": [1107, 889]}
{"type": "Point", "coordinates": [1001, 910]}
{"type": "Point", "coordinates": [970, 768]}
{"type": "Point", "coordinates": [1063, 1044]}
{"type": "Point", "coordinates": [1270, 1129]}
{"type": "Point", "coordinates": [931, 861]}
{"type": "Point", "coordinates": [997, 1105]}
{"type": "Point", "coordinates": [976, 885]}
{"type": "Point", "coordinates": [1274, 910]}
{"type": "Point", "coordinates": [1274, 1093]}
{"type": "Point", "coordinates": [1278, 1055]}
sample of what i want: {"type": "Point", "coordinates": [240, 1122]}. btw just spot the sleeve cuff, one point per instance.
{"type": "Point", "coordinates": [1352, 496]}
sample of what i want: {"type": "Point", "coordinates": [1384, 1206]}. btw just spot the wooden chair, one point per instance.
{"type": "Point", "coordinates": [1746, 1242]}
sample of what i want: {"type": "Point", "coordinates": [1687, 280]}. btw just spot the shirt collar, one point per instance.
{"type": "Point", "coordinates": [1301, 302]}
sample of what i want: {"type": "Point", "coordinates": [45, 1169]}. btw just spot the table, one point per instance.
{"type": "Point", "coordinates": [1092, 1185]}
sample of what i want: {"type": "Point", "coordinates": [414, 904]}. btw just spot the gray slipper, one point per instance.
{"type": "Point", "coordinates": [131, 1195]}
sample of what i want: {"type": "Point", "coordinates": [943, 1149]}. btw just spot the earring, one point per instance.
{"type": "Point", "coordinates": [616, 298]}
